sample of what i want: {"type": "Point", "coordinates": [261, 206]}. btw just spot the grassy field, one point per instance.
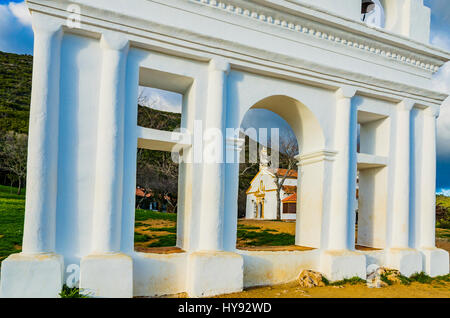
{"type": "Point", "coordinates": [154, 229]}
{"type": "Point", "coordinates": [12, 207]}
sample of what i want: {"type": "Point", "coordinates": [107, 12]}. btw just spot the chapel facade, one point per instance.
{"type": "Point", "coordinates": [262, 194]}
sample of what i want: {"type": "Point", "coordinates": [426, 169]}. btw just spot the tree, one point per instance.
{"type": "Point", "coordinates": [13, 153]}
{"type": "Point", "coordinates": [288, 150]}
{"type": "Point", "coordinates": [157, 174]}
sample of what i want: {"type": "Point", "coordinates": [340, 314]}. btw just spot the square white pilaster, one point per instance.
{"type": "Point", "coordinates": [32, 276]}
{"type": "Point", "coordinates": [107, 275]}
{"type": "Point", "coordinates": [213, 273]}
{"type": "Point", "coordinates": [407, 260]}
{"type": "Point", "coordinates": [435, 261]}
{"type": "Point", "coordinates": [341, 264]}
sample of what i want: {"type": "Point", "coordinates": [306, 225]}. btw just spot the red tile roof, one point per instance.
{"type": "Point", "coordinates": [140, 193]}
{"type": "Point", "coordinates": [291, 174]}
{"type": "Point", "coordinates": [289, 189]}
{"type": "Point", "coordinates": [291, 198]}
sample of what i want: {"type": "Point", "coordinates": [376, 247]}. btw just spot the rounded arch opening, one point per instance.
{"type": "Point", "coordinates": [265, 203]}
{"type": "Point", "coordinates": [300, 118]}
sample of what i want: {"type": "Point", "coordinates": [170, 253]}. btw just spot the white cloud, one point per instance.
{"type": "Point", "coordinates": [21, 12]}
{"type": "Point", "coordinates": [161, 100]}
{"type": "Point", "coordinates": [15, 37]}
{"type": "Point", "coordinates": [441, 82]}
{"type": "Point", "coordinates": [445, 192]}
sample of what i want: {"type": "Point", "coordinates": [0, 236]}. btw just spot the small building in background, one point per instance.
{"type": "Point", "coordinates": [262, 193]}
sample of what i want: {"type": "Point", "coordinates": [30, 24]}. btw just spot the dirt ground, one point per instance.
{"type": "Point", "coordinates": [437, 289]}
{"type": "Point", "coordinates": [292, 290]}
{"type": "Point", "coordinates": [280, 226]}
{"type": "Point", "coordinates": [145, 228]}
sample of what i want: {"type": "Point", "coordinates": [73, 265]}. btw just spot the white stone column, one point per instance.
{"type": "Point", "coordinates": [211, 227]}
{"type": "Point", "coordinates": [42, 166]}
{"type": "Point", "coordinates": [435, 260]}
{"type": "Point", "coordinates": [38, 271]}
{"type": "Point", "coordinates": [400, 256]}
{"type": "Point", "coordinates": [428, 179]}
{"type": "Point", "coordinates": [344, 172]}
{"type": "Point", "coordinates": [339, 261]}
{"type": "Point", "coordinates": [107, 272]}
{"type": "Point", "coordinates": [313, 194]}
{"type": "Point", "coordinates": [110, 135]}
{"type": "Point", "coordinates": [401, 186]}
{"type": "Point", "coordinates": [234, 148]}
{"type": "Point", "coordinates": [211, 270]}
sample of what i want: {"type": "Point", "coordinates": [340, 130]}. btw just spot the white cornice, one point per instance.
{"type": "Point", "coordinates": [321, 32]}
{"type": "Point", "coordinates": [146, 34]}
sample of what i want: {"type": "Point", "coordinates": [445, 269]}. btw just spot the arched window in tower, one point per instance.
{"type": "Point", "coordinates": [372, 13]}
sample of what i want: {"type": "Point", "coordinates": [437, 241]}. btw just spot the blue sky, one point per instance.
{"type": "Point", "coordinates": [16, 36]}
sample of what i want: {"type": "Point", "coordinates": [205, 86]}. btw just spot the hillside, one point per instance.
{"type": "Point", "coordinates": [15, 91]}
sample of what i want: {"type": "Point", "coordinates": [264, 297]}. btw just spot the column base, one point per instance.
{"type": "Point", "coordinates": [435, 261]}
{"type": "Point", "coordinates": [214, 273]}
{"type": "Point", "coordinates": [406, 260]}
{"type": "Point", "coordinates": [337, 265]}
{"type": "Point", "coordinates": [32, 276]}
{"type": "Point", "coordinates": [107, 275]}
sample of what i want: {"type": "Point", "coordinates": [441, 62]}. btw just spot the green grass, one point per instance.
{"type": "Point", "coordinates": [141, 237]}
{"type": "Point", "coordinates": [352, 281]}
{"type": "Point", "coordinates": [443, 233]}
{"type": "Point", "coordinates": [163, 229]}
{"type": "Point", "coordinates": [143, 215]}
{"type": "Point", "coordinates": [12, 210]}
{"type": "Point", "coordinates": [265, 238]}
{"type": "Point", "coordinates": [421, 278]}
{"type": "Point", "coordinates": [247, 227]}
{"type": "Point", "coordinates": [385, 279]}
{"type": "Point", "coordinates": [164, 241]}
{"type": "Point", "coordinates": [73, 292]}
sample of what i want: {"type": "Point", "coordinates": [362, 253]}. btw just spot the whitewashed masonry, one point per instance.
{"type": "Point", "coordinates": [314, 63]}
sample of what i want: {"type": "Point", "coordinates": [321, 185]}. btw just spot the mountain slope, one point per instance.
{"type": "Point", "coordinates": [15, 91]}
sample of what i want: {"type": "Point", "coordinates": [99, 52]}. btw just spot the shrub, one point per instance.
{"type": "Point", "coordinates": [73, 292]}
{"type": "Point", "coordinates": [421, 278]}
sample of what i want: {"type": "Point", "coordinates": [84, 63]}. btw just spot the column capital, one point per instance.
{"type": "Point", "coordinates": [45, 24]}
{"type": "Point", "coordinates": [316, 156]}
{"type": "Point", "coordinates": [114, 41]}
{"type": "Point", "coordinates": [432, 111]}
{"type": "Point", "coordinates": [219, 64]}
{"type": "Point", "coordinates": [346, 92]}
{"type": "Point", "coordinates": [406, 105]}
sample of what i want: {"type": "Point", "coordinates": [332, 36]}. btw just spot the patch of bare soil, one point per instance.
{"type": "Point", "coordinates": [292, 290]}
{"type": "Point", "coordinates": [280, 226]}
{"type": "Point", "coordinates": [159, 250]}
{"type": "Point", "coordinates": [150, 227]}
{"type": "Point", "coordinates": [276, 248]}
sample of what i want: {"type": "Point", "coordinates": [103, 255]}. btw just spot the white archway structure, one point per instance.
{"type": "Point", "coordinates": [313, 62]}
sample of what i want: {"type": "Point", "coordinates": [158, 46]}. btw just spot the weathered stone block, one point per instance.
{"type": "Point", "coordinates": [408, 261]}
{"type": "Point", "coordinates": [107, 275]}
{"type": "Point", "coordinates": [32, 276]}
{"type": "Point", "coordinates": [435, 261]}
{"type": "Point", "coordinates": [337, 265]}
{"type": "Point", "coordinates": [214, 273]}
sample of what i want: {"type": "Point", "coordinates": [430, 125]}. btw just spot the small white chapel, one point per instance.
{"type": "Point", "coordinates": [262, 193]}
